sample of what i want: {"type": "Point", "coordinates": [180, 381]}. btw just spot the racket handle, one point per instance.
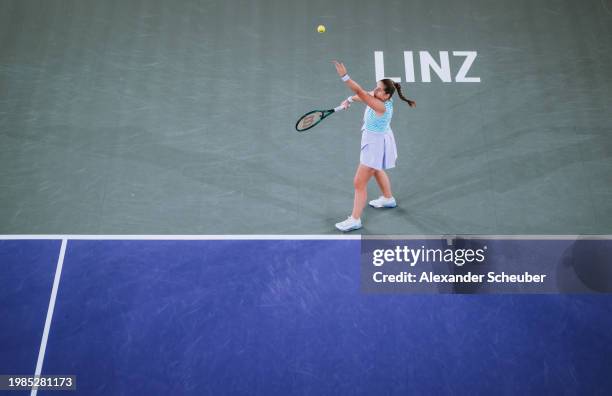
{"type": "Point", "coordinates": [338, 108]}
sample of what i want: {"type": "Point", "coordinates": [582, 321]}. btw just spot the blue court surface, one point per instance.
{"type": "Point", "coordinates": [280, 317]}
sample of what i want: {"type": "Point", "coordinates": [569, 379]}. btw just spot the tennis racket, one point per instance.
{"type": "Point", "coordinates": [312, 118]}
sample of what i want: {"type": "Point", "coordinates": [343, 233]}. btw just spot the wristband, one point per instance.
{"type": "Point", "coordinates": [350, 99]}
{"type": "Point", "coordinates": [346, 77]}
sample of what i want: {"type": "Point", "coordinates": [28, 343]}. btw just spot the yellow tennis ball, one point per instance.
{"type": "Point", "coordinates": [321, 29]}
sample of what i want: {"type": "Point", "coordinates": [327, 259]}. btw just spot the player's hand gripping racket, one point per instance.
{"type": "Point", "coordinates": [312, 118]}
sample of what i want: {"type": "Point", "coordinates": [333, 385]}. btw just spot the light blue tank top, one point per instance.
{"type": "Point", "coordinates": [374, 123]}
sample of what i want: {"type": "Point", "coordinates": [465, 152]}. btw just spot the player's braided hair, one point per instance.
{"type": "Point", "coordinates": [390, 88]}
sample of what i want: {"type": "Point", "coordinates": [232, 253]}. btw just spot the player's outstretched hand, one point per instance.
{"type": "Point", "coordinates": [345, 104]}
{"type": "Point", "coordinates": [340, 68]}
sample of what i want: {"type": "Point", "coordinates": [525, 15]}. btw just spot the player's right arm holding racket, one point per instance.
{"type": "Point", "coordinates": [346, 103]}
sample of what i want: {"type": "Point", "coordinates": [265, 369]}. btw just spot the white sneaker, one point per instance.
{"type": "Point", "coordinates": [349, 224]}
{"type": "Point", "coordinates": [383, 202]}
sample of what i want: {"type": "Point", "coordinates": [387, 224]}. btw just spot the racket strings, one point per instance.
{"type": "Point", "coordinates": [309, 120]}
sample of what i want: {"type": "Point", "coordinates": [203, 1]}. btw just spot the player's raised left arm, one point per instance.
{"type": "Point", "coordinates": [362, 94]}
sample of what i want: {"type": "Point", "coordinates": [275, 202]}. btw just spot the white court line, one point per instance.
{"type": "Point", "coordinates": [45, 336]}
{"type": "Point", "coordinates": [293, 237]}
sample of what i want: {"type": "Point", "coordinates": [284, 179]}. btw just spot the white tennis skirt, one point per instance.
{"type": "Point", "coordinates": [378, 150]}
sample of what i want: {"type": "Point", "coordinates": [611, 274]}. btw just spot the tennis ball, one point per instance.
{"type": "Point", "coordinates": [321, 29]}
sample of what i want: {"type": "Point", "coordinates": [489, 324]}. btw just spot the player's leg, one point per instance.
{"type": "Point", "coordinates": [383, 182]}
{"type": "Point", "coordinates": [360, 182]}
{"type": "Point", "coordinates": [386, 200]}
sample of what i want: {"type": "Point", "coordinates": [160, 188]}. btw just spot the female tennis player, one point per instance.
{"type": "Point", "coordinates": [378, 149]}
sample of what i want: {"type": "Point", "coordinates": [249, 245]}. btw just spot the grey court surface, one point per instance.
{"type": "Point", "coordinates": [160, 117]}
